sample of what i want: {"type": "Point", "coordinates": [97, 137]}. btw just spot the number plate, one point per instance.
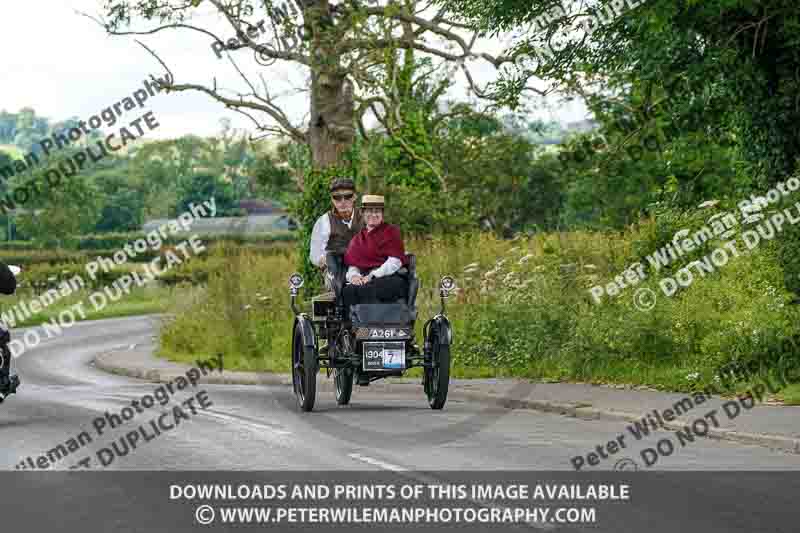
{"type": "Point", "coordinates": [384, 356]}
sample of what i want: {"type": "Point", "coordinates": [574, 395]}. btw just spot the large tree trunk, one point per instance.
{"type": "Point", "coordinates": [332, 129]}
{"type": "Point", "coordinates": [332, 126]}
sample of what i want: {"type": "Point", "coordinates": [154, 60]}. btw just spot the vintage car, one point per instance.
{"type": "Point", "coordinates": [377, 342]}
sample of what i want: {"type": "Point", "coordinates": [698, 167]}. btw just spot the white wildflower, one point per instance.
{"type": "Point", "coordinates": [692, 376]}
{"type": "Point", "coordinates": [510, 276]}
{"type": "Point", "coordinates": [708, 203]}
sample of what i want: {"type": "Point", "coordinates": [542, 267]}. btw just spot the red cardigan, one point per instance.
{"type": "Point", "coordinates": [370, 249]}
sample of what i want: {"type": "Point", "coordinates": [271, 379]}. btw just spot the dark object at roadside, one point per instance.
{"type": "Point", "coordinates": [8, 282]}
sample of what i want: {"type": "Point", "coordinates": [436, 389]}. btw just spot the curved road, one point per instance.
{"type": "Point", "coordinates": [258, 428]}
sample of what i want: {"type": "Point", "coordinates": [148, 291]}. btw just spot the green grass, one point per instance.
{"type": "Point", "coordinates": [791, 394]}
{"type": "Point", "coordinates": [530, 318]}
{"type": "Point", "coordinates": [141, 301]}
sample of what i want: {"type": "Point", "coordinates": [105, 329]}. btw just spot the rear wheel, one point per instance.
{"type": "Point", "coordinates": [437, 377]}
{"type": "Point", "coordinates": [343, 377]}
{"type": "Point", "coordinates": [344, 385]}
{"type": "Point", "coordinates": [304, 372]}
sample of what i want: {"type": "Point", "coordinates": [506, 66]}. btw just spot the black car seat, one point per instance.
{"type": "Point", "coordinates": [337, 268]}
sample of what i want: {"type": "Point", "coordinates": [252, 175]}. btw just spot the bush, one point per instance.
{"type": "Point", "coordinates": [523, 308]}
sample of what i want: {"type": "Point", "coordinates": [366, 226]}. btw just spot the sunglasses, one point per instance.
{"type": "Point", "coordinates": [341, 197]}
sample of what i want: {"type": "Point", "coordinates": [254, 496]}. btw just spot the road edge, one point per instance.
{"type": "Point", "coordinates": [110, 362]}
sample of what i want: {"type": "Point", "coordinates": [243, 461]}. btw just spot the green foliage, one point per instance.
{"type": "Point", "coordinates": [313, 202]}
{"type": "Point", "coordinates": [56, 212]}
{"type": "Point", "coordinates": [205, 186]}
{"type": "Point", "coordinates": [421, 211]}
{"type": "Point", "coordinates": [274, 181]}
{"type": "Point", "coordinates": [506, 183]}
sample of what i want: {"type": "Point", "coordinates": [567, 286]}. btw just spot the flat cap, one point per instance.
{"type": "Point", "coordinates": [342, 183]}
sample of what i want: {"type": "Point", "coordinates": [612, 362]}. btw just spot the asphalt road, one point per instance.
{"type": "Point", "coordinates": [249, 428]}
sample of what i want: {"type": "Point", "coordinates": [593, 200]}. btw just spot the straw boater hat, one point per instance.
{"type": "Point", "coordinates": [371, 200]}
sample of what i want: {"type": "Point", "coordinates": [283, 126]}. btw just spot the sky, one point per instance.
{"type": "Point", "coordinates": [64, 64]}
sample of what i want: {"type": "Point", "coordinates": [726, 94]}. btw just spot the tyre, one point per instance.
{"type": "Point", "coordinates": [304, 372]}
{"type": "Point", "coordinates": [437, 378]}
{"type": "Point", "coordinates": [344, 385]}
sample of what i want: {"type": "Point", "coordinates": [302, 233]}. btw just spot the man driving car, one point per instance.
{"type": "Point", "coordinates": [333, 230]}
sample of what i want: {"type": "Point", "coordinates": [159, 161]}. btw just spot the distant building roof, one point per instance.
{"type": "Point", "coordinates": [261, 207]}
{"type": "Point", "coordinates": [253, 224]}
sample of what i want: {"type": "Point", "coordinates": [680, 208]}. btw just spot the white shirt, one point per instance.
{"type": "Point", "coordinates": [320, 235]}
{"type": "Point", "coordinates": [389, 267]}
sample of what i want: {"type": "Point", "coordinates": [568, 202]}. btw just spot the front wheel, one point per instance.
{"type": "Point", "coordinates": [304, 372]}
{"type": "Point", "coordinates": [437, 378]}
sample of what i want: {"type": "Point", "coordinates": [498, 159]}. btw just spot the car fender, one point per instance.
{"type": "Point", "coordinates": [306, 330]}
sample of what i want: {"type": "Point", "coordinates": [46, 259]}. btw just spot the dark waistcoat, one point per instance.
{"type": "Point", "coordinates": [340, 233]}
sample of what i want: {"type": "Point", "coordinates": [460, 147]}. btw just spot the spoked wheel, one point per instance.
{"type": "Point", "coordinates": [304, 372]}
{"type": "Point", "coordinates": [343, 377]}
{"type": "Point", "coordinates": [437, 378]}
{"type": "Point", "coordinates": [344, 385]}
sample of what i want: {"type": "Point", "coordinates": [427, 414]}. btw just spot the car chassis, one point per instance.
{"type": "Point", "coordinates": [375, 343]}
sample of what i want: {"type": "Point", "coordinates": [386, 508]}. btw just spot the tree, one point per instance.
{"type": "Point", "coordinates": [204, 186]}
{"type": "Point", "coordinates": [719, 67]}
{"type": "Point", "coordinates": [342, 51]}
{"type": "Point", "coordinates": [273, 181]}
{"type": "Point", "coordinates": [498, 171]}
{"type": "Point", "coordinates": [60, 211]}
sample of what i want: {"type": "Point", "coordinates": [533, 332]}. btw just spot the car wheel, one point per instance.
{"type": "Point", "coordinates": [304, 372]}
{"type": "Point", "coordinates": [437, 378]}
{"type": "Point", "coordinates": [344, 384]}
